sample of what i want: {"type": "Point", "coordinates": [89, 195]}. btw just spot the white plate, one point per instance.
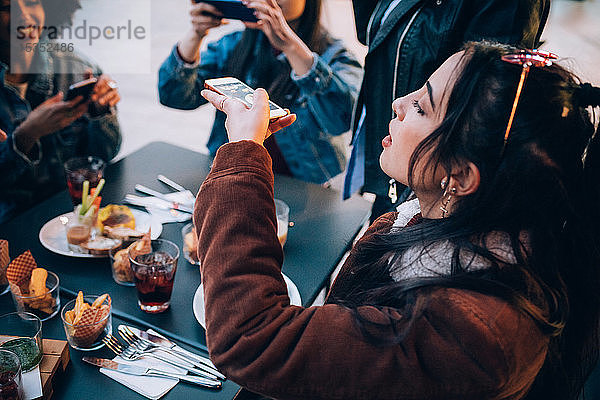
{"type": "Point", "coordinates": [198, 302]}
{"type": "Point", "coordinates": [53, 236]}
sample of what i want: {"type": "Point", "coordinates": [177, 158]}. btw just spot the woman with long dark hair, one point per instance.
{"type": "Point", "coordinates": [484, 286]}
{"type": "Point", "coordinates": [290, 54]}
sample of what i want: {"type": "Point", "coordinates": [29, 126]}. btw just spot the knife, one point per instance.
{"type": "Point", "coordinates": [195, 359]}
{"type": "Point", "coordinates": [143, 371]}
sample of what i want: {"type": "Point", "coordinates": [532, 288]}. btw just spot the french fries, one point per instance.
{"type": "Point", "coordinates": [37, 285]}
{"type": "Point", "coordinates": [75, 315]}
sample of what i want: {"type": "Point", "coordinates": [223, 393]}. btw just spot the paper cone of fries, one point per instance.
{"type": "Point", "coordinates": [86, 322]}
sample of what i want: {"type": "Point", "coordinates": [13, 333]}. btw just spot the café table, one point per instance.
{"type": "Point", "coordinates": [323, 229]}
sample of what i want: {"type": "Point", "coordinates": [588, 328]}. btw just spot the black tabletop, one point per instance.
{"type": "Point", "coordinates": [324, 227]}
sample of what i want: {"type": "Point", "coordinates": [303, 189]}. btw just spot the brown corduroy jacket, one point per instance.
{"type": "Point", "coordinates": [463, 345]}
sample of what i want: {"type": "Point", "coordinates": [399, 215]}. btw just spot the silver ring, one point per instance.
{"type": "Point", "coordinates": [222, 105]}
{"type": "Point", "coordinates": [112, 85]}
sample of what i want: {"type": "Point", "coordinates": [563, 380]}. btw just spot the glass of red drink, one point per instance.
{"type": "Point", "coordinates": [154, 274]}
{"type": "Point", "coordinates": [80, 169]}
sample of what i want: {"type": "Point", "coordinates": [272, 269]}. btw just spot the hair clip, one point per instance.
{"type": "Point", "coordinates": [526, 58]}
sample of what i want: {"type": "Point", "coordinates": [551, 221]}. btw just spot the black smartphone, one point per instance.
{"type": "Point", "coordinates": [83, 88]}
{"type": "Point", "coordinates": [233, 87]}
{"type": "Point", "coordinates": [232, 9]}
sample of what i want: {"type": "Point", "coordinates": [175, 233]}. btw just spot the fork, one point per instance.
{"type": "Point", "coordinates": [113, 344]}
{"type": "Point", "coordinates": [145, 345]}
{"type": "Point", "coordinates": [132, 353]}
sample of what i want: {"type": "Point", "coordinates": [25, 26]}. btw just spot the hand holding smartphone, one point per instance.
{"type": "Point", "coordinates": [234, 88]}
{"type": "Point", "coordinates": [83, 88]}
{"type": "Point", "coordinates": [232, 9]}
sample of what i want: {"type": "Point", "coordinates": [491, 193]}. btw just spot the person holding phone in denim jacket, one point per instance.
{"type": "Point", "coordinates": [290, 54]}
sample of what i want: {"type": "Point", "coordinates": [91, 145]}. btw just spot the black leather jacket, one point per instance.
{"type": "Point", "coordinates": [415, 39]}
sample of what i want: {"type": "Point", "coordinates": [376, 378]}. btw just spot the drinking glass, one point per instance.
{"type": "Point", "coordinates": [120, 265]}
{"type": "Point", "coordinates": [88, 336]}
{"type": "Point", "coordinates": [80, 169]}
{"type": "Point", "coordinates": [44, 306]}
{"type": "Point", "coordinates": [154, 274]}
{"type": "Point", "coordinates": [190, 244]}
{"type": "Point", "coordinates": [21, 333]}
{"type": "Point", "coordinates": [282, 211]}
{"type": "Point", "coordinates": [11, 381]}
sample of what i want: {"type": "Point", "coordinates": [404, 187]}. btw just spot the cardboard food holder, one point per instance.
{"type": "Point", "coordinates": [91, 325]}
{"type": "Point", "coordinates": [4, 261]}
{"type": "Point", "coordinates": [19, 273]}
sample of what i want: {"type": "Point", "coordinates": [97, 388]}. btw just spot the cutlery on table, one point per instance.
{"type": "Point", "coordinates": [147, 346]}
{"type": "Point", "coordinates": [185, 193]}
{"type": "Point", "coordinates": [171, 348]}
{"type": "Point", "coordinates": [150, 202]}
{"type": "Point", "coordinates": [162, 341]}
{"type": "Point", "coordinates": [131, 353]}
{"type": "Point", "coordinates": [175, 205]}
{"type": "Point", "coordinates": [144, 371]}
{"type": "Point", "coordinates": [172, 184]}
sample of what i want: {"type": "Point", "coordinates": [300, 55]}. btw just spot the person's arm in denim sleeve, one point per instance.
{"type": "Point", "coordinates": [331, 89]}
{"type": "Point", "coordinates": [180, 83]}
{"type": "Point", "coordinates": [13, 163]}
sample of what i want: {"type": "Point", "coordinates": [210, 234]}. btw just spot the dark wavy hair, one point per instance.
{"type": "Point", "coordinates": [59, 13]}
{"type": "Point", "coordinates": [544, 185]}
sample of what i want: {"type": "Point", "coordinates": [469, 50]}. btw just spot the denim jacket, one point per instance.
{"type": "Point", "coordinates": [324, 105]}
{"type": "Point", "coordinates": [26, 179]}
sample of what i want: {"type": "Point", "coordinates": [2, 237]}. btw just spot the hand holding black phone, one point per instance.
{"type": "Point", "coordinates": [83, 88]}
{"type": "Point", "coordinates": [232, 9]}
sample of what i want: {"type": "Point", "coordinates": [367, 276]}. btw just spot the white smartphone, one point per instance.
{"type": "Point", "coordinates": [234, 88]}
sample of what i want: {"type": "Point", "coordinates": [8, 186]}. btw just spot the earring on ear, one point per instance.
{"type": "Point", "coordinates": [392, 194]}
{"type": "Point", "coordinates": [448, 197]}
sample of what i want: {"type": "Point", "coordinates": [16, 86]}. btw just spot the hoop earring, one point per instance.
{"type": "Point", "coordinates": [448, 197]}
{"type": "Point", "coordinates": [392, 194]}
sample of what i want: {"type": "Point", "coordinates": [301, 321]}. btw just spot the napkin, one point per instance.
{"type": "Point", "coordinates": [148, 386]}
{"type": "Point", "coordinates": [158, 208]}
{"type": "Point", "coordinates": [32, 384]}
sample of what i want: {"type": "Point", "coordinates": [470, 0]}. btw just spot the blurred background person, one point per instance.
{"type": "Point", "coordinates": [293, 56]}
{"type": "Point", "coordinates": [407, 40]}
{"type": "Point", "coordinates": [43, 130]}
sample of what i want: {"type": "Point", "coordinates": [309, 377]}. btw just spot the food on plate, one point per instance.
{"type": "Point", "coordinates": [115, 215]}
{"type": "Point", "coordinates": [121, 265]}
{"type": "Point", "coordinates": [100, 245]}
{"type": "Point", "coordinates": [190, 245]}
{"type": "Point", "coordinates": [85, 322]}
{"type": "Point", "coordinates": [122, 232]}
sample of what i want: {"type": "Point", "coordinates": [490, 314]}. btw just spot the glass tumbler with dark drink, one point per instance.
{"type": "Point", "coordinates": [154, 274]}
{"type": "Point", "coordinates": [80, 169]}
{"type": "Point", "coordinates": [11, 383]}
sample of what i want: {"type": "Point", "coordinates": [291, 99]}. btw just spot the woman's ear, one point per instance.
{"type": "Point", "coordinates": [465, 178]}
